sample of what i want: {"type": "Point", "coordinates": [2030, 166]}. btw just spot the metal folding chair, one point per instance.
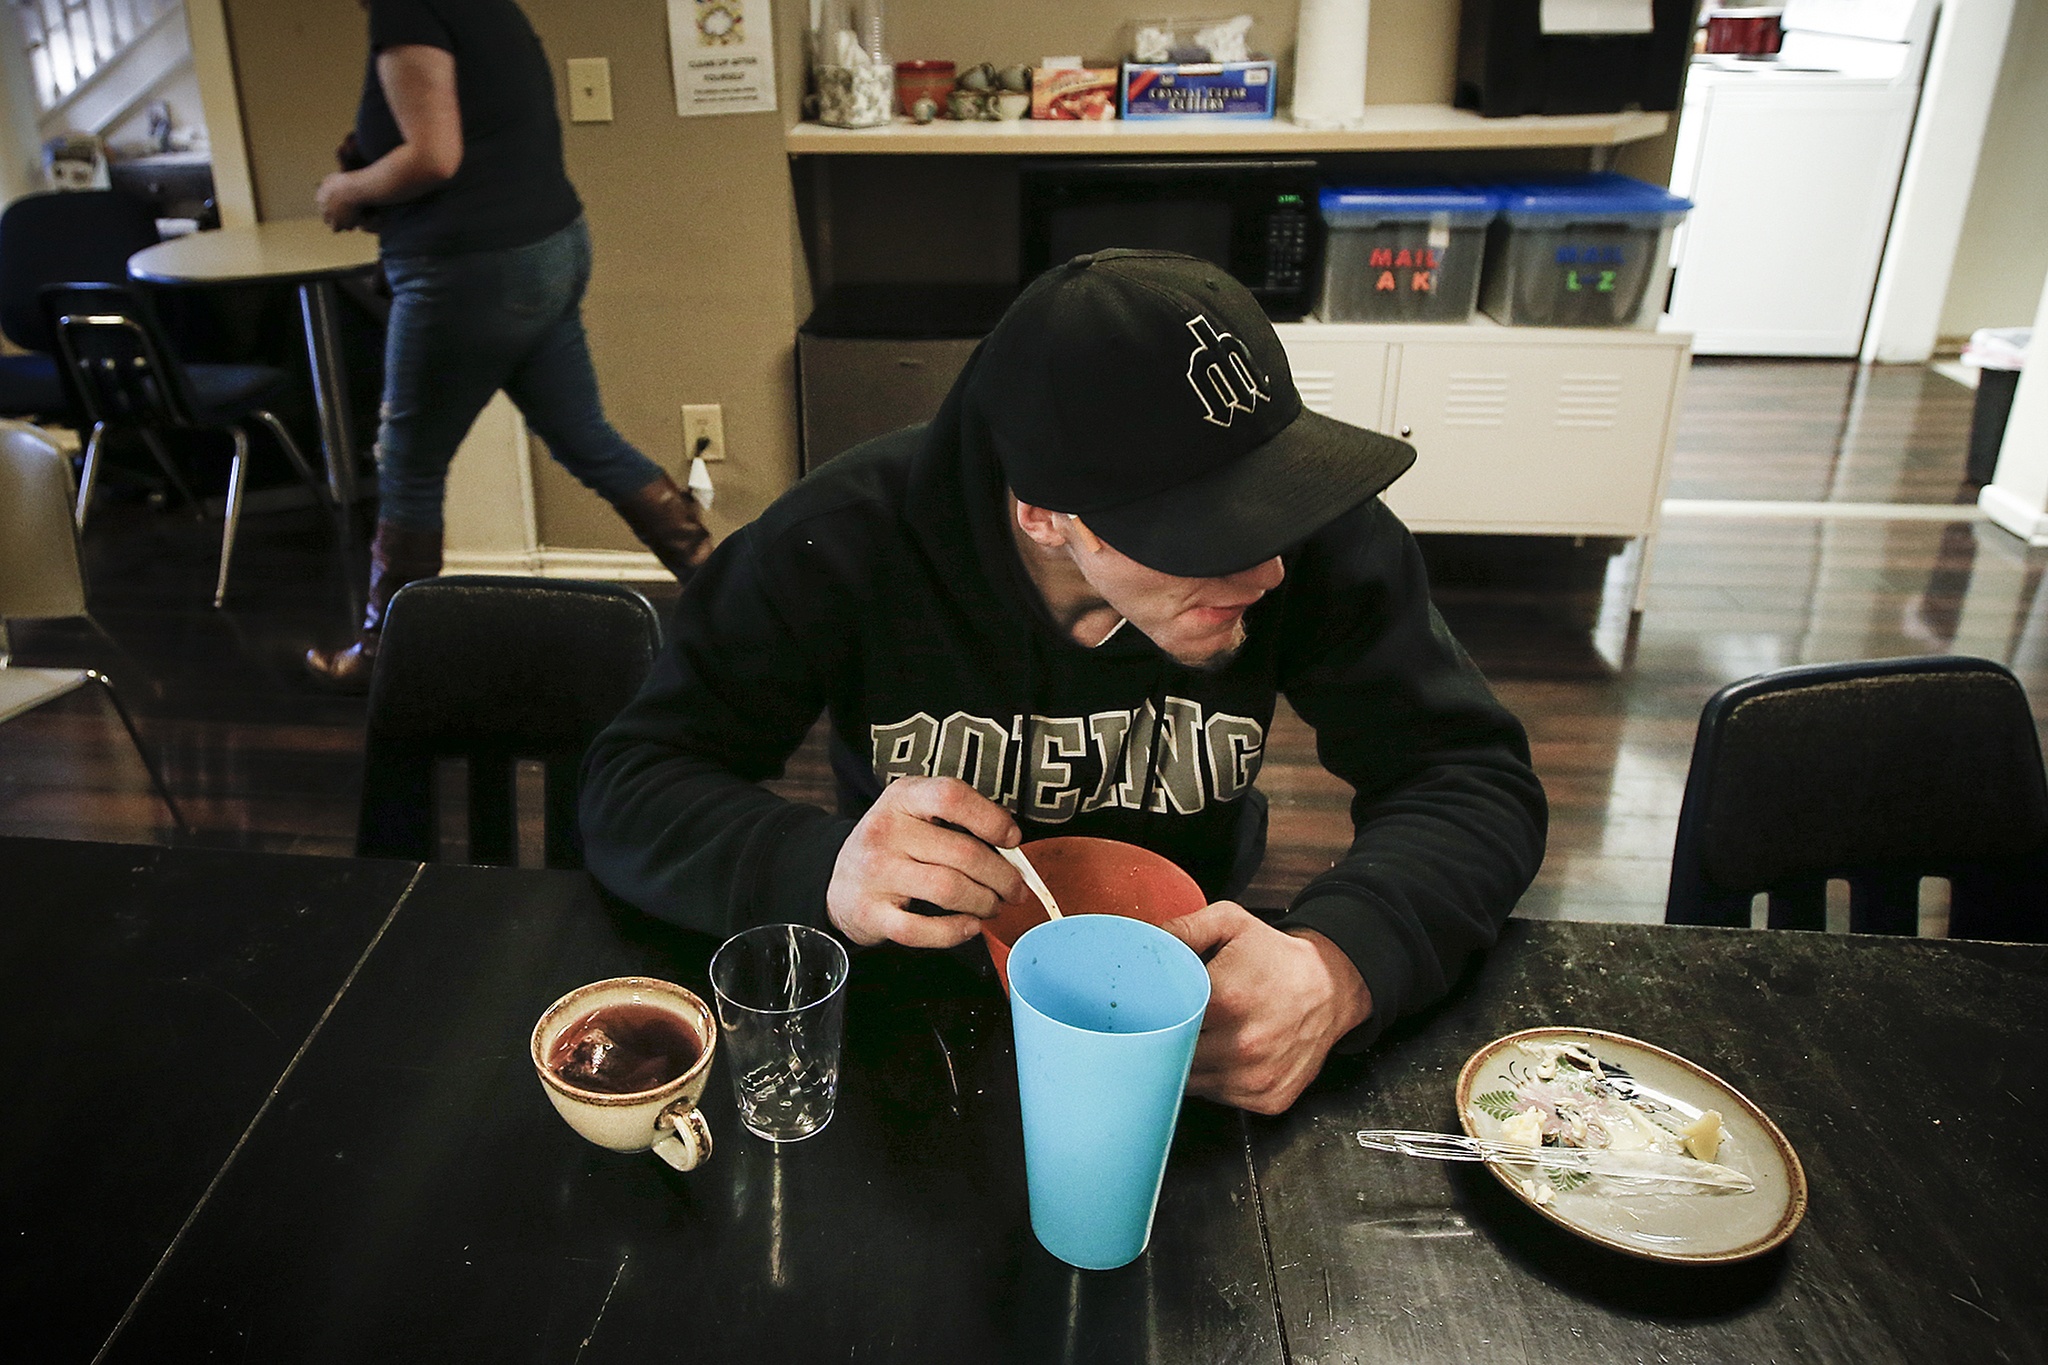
{"type": "Point", "coordinates": [41, 579]}
{"type": "Point", "coordinates": [129, 379]}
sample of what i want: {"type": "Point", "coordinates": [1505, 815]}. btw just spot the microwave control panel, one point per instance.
{"type": "Point", "coordinates": [1278, 236]}
{"type": "Point", "coordinates": [1287, 245]}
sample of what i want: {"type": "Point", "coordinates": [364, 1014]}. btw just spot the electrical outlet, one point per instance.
{"type": "Point", "coordinates": [703, 423]}
{"type": "Point", "coordinates": [590, 90]}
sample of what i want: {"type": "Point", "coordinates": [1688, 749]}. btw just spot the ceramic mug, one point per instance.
{"type": "Point", "coordinates": [662, 1118]}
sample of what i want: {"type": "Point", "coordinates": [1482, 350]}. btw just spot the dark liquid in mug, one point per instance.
{"type": "Point", "coordinates": [623, 1049]}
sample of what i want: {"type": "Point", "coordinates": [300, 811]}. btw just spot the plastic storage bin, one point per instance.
{"type": "Point", "coordinates": [1402, 253]}
{"type": "Point", "coordinates": [1577, 252]}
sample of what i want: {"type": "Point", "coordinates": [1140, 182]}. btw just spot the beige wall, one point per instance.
{"type": "Point", "coordinates": [300, 68]}
{"type": "Point", "coordinates": [2002, 260]}
{"type": "Point", "coordinates": [693, 294]}
{"type": "Point", "coordinates": [701, 278]}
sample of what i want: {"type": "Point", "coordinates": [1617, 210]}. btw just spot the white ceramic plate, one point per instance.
{"type": "Point", "coordinates": [1687, 1229]}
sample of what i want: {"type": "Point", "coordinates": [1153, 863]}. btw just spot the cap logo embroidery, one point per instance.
{"type": "Point", "coordinates": [1220, 372]}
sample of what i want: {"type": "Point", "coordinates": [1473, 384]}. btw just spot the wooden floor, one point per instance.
{"type": "Point", "coordinates": [260, 761]}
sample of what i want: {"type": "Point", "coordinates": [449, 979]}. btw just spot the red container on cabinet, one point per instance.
{"type": "Point", "coordinates": [1752, 32]}
{"type": "Point", "coordinates": [916, 80]}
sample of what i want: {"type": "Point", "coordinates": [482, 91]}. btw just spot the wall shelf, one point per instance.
{"type": "Point", "coordinates": [1389, 128]}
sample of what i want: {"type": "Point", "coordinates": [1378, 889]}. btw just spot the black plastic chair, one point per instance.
{"type": "Point", "coordinates": [1878, 773]}
{"type": "Point", "coordinates": [128, 379]}
{"type": "Point", "coordinates": [54, 240]}
{"type": "Point", "coordinates": [495, 670]}
{"type": "Point", "coordinates": [57, 238]}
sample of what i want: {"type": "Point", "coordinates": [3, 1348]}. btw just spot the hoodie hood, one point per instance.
{"type": "Point", "coordinates": [956, 469]}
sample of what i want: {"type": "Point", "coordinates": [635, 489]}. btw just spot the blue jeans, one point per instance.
{"type": "Point", "coordinates": [462, 328]}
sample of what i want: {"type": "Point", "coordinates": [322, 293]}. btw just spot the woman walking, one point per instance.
{"type": "Point", "coordinates": [456, 164]}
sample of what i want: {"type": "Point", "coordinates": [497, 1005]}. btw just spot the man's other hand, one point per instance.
{"type": "Point", "coordinates": [901, 852]}
{"type": "Point", "coordinates": [1277, 1003]}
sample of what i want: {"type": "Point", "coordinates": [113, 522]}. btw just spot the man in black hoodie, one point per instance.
{"type": "Point", "coordinates": [1067, 606]}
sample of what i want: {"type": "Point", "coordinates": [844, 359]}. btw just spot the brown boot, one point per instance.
{"type": "Point", "coordinates": [666, 520]}
{"type": "Point", "coordinates": [398, 556]}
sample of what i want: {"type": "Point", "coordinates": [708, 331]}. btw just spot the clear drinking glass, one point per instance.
{"type": "Point", "coordinates": [781, 992]}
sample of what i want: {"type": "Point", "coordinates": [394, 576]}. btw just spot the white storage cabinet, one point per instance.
{"type": "Point", "coordinates": [1523, 431]}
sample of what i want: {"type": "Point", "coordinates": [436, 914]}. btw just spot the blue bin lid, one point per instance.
{"type": "Point", "coordinates": [1605, 192]}
{"type": "Point", "coordinates": [1387, 200]}
{"type": "Point", "coordinates": [1377, 203]}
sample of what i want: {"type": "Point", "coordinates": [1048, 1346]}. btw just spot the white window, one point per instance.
{"type": "Point", "coordinates": [68, 40]}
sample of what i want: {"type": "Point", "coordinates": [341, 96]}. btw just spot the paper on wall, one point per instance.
{"type": "Point", "coordinates": [1594, 16]}
{"type": "Point", "coordinates": [723, 55]}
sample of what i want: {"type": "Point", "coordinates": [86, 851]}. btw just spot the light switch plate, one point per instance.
{"type": "Point", "coordinates": [590, 90]}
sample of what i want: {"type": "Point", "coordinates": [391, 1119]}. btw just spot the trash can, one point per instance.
{"type": "Point", "coordinates": [1997, 354]}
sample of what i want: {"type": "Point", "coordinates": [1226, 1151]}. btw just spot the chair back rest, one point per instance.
{"type": "Point", "coordinates": [1878, 773]}
{"type": "Point", "coordinates": [495, 670]}
{"type": "Point", "coordinates": [121, 367]}
{"type": "Point", "coordinates": [59, 238]}
{"type": "Point", "coordinates": [40, 576]}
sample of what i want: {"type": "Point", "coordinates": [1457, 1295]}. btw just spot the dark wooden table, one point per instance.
{"type": "Point", "coordinates": [407, 1192]}
{"type": "Point", "coordinates": [152, 999]}
{"type": "Point", "coordinates": [1911, 1076]}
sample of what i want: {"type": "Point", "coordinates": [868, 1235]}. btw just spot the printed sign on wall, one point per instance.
{"type": "Point", "coordinates": [723, 54]}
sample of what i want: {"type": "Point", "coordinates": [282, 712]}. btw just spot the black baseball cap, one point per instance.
{"type": "Point", "coordinates": [1146, 393]}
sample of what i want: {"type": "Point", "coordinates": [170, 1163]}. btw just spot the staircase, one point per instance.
{"type": "Point", "coordinates": [96, 63]}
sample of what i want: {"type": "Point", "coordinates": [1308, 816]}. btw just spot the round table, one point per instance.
{"type": "Point", "coordinates": [300, 251]}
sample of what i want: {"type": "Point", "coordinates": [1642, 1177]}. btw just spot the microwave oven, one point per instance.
{"type": "Point", "coordinates": [1254, 217]}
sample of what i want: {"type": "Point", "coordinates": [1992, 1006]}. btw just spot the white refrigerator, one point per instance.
{"type": "Point", "coordinates": [1793, 166]}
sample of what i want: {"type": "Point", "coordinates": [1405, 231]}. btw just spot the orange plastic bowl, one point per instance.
{"type": "Point", "coordinates": [1092, 877]}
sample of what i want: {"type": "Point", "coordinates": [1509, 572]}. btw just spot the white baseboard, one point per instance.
{"type": "Point", "coordinates": [2016, 515]}
{"type": "Point", "coordinates": [605, 566]}
{"type": "Point", "coordinates": [1821, 511]}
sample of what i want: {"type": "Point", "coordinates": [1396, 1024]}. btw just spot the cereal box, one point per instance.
{"type": "Point", "coordinates": [1075, 93]}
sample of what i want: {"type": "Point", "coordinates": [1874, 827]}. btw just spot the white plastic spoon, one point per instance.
{"type": "Point", "coordinates": [1015, 858]}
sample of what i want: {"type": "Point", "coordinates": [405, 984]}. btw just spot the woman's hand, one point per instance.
{"type": "Point", "coordinates": [337, 203]}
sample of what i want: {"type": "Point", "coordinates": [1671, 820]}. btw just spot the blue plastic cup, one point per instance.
{"type": "Point", "coordinates": [1106, 1010]}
